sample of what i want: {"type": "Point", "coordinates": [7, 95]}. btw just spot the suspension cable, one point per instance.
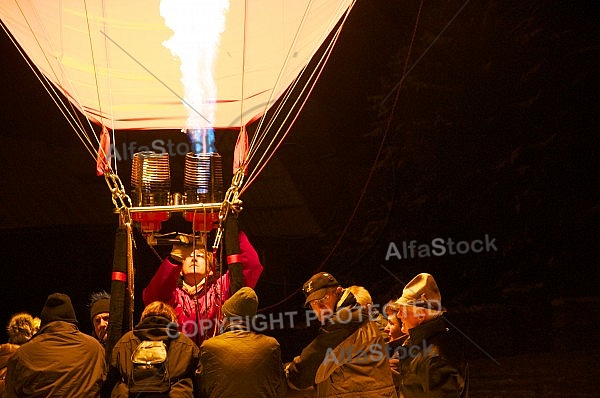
{"type": "Point", "coordinates": [371, 172]}
{"type": "Point", "coordinates": [295, 109]}
{"type": "Point", "coordinates": [67, 109]}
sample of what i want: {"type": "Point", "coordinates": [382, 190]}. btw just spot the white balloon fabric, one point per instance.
{"type": "Point", "coordinates": [109, 57]}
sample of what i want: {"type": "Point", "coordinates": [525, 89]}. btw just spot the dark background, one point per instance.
{"type": "Point", "coordinates": [493, 130]}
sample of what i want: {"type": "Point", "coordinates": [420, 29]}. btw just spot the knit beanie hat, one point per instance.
{"type": "Point", "coordinates": [244, 303]}
{"type": "Point", "coordinates": [58, 307]}
{"type": "Point", "coordinates": [98, 307]}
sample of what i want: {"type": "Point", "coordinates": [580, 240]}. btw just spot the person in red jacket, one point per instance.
{"type": "Point", "coordinates": [188, 282]}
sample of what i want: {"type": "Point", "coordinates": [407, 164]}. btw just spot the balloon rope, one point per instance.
{"type": "Point", "coordinates": [130, 274]}
{"type": "Point", "coordinates": [111, 105]}
{"type": "Point", "coordinates": [68, 111]}
{"type": "Point", "coordinates": [380, 149]}
{"type": "Point", "coordinates": [243, 66]}
{"type": "Point", "coordinates": [312, 79]}
{"type": "Point", "coordinates": [49, 88]}
{"type": "Point", "coordinates": [87, 20]}
{"type": "Point", "coordinates": [370, 176]}
{"type": "Point", "coordinates": [304, 94]}
{"type": "Point", "coordinates": [256, 142]}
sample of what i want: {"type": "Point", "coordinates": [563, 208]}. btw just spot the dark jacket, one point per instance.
{"type": "Point", "coordinates": [395, 352]}
{"type": "Point", "coordinates": [346, 359]}
{"type": "Point", "coordinates": [59, 361]}
{"type": "Point", "coordinates": [241, 363]}
{"type": "Point", "coordinates": [432, 363]}
{"type": "Point", "coordinates": [182, 356]}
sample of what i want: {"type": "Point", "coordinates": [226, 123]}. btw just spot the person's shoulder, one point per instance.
{"type": "Point", "coordinates": [7, 348]}
{"type": "Point", "coordinates": [267, 339]}
{"type": "Point", "coordinates": [127, 339]}
{"type": "Point", "coordinates": [89, 340]}
{"type": "Point", "coordinates": [345, 318]}
{"type": "Point", "coordinates": [181, 344]}
{"type": "Point", "coordinates": [215, 341]}
{"type": "Point", "coordinates": [129, 335]}
{"type": "Point", "coordinates": [28, 350]}
{"type": "Point", "coordinates": [182, 338]}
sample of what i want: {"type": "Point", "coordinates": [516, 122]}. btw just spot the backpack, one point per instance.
{"type": "Point", "coordinates": [150, 375]}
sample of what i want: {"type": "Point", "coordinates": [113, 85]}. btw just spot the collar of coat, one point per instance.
{"type": "Point", "coordinates": [199, 288]}
{"type": "Point", "coordinates": [426, 331]}
{"type": "Point", "coordinates": [57, 327]}
{"type": "Point", "coordinates": [156, 328]}
{"type": "Point", "coordinates": [234, 324]}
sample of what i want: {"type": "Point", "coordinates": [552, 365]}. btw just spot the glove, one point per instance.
{"type": "Point", "coordinates": [232, 250]}
{"type": "Point", "coordinates": [181, 250]}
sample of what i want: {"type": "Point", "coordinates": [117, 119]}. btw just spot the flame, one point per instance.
{"type": "Point", "coordinates": [197, 26]}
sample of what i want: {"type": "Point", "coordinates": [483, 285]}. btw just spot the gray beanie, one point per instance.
{"type": "Point", "coordinates": [244, 303]}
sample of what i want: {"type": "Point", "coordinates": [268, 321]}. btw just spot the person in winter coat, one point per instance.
{"type": "Point", "coordinates": [363, 298]}
{"type": "Point", "coordinates": [394, 340]}
{"type": "Point", "coordinates": [20, 329]}
{"type": "Point", "coordinates": [347, 358]}
{"type": "Point", "coordinates": [432, 363]}
{"type": "Point", "coordinates": [240, 362]}
{"type": "Point", "coordinates": [198, 296]}
{"type": "Point", "coordinates": [99, 315]}
{"type": "Point", "coordinates": [175, 373]}
{"type": "Point", "coordinates": [59, 361]}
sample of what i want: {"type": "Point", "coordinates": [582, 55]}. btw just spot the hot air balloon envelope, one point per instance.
{"type": "Point", "coordinates": [114, 59]}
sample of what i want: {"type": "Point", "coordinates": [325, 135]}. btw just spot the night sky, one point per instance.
{"type": "Point", "coordinates": [494, 131]}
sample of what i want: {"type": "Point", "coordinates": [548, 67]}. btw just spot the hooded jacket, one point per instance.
{"type": "Point", "coordinates": [241, 363]}
{"type": "Point", "coordinates": [434, 365]}
{"type": "Point", "coordinates": [59, 361]}
{"type": "Point", "coordinates": [346, 359]}
{"type": "Point", "coordinates": [182, 356]}
{"type": "Point", "coordinates": [197, 314]}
